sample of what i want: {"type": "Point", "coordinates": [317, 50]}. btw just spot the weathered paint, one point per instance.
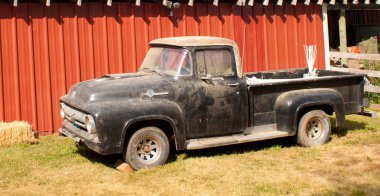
{"type": "Point", "coordinates": [45, 50]}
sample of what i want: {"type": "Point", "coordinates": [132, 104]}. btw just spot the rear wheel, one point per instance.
{"type": "Point", "coordinates": [314, 128]}
{"type": "Point", "coordinates": [148, 147]}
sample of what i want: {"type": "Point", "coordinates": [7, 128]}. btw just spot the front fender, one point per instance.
{"type": "Point", "coordinates": [159, 110]}
{"type": "Point", "coordinates": [289, 104]}
{"type": "Point", "coordinates": [113, 117]}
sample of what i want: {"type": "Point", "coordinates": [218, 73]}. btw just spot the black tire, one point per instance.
{"type": "Point", "coordinates": [314, 128]}
{"type": "Point", "coordinates": [148, 147]}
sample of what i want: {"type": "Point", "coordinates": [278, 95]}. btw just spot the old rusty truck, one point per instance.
{"type": "Point", "coordinates": [191, 93]}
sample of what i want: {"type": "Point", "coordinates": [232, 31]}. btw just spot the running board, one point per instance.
{"type": "Point", "coordinates": [250, 135]}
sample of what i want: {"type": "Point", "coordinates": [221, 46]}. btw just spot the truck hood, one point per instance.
{"type": "Point", "coordinates": [118, 86]}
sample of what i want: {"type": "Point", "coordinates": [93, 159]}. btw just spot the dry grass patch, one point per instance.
{"type": "Point", "coordinates": [348, 165]}
{"type": "Point", "coordinates": [15, 133]}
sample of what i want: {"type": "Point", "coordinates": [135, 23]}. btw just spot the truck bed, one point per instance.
{"type": "Point", "coordinates": [295, 76]}
{"type": "Point", "coordinates": [263, 94]}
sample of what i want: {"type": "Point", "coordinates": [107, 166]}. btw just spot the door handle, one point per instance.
{"type": "Point", "coordinates": [234, 84]}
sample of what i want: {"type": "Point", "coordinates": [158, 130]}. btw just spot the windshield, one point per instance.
{"type": "Point", "coordinates": [171, 61]}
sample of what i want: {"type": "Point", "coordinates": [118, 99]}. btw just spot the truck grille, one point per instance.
{"type": "Point", "coordinates": [73, 117]}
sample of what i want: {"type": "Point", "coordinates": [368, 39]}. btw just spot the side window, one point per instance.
{"type": "Point", "coordinates": [214, 62]}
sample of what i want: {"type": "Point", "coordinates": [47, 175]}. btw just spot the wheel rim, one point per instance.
{"type": "Point", "coordinates": [314, 128]}
{"type": "Point", "coordinates": [148, 150]}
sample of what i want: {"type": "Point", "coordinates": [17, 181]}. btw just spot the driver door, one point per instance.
{"type": "Point", "coordinates": [219, 91]}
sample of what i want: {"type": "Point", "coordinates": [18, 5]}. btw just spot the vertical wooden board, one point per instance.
{"type": "Point", "coordinates": [42, 67]}
{"type": "Point", "coordinates": [333, 28]}
{"type": "Point", "coordinates": [71, 49]}
{"type": "Point", "coordinates": [271, 41]}
{"type": "Point", "coordinates": [180, 24]}
{"type": "Point", "coordinates": [250, 40]}
{"type": "Point", "coordinates": [375, 16]}
{"type": "Point", "coordinates": [310, 31]}
{"type": "Point", "coordinates": [14, 71]}
{"type": "Point", "coordinates": [167, 23]}
{"type": "Point", "coordinates": [354, 17]}
{"type": "Point", "coordinates": [11, 95]}
{"type": "Point", "coordinates": [25, 63]}
{"type": "Point", "coordinates": [318, 27]}
{"type": "Point", "coordinates": [51, 18]}
{"type": "Point", "coordinates": [204, 19]}
{"type": "Point", "coordinates": [285, 49]}
{"type": "Point", "coordinates": [292, 34]}
{"type": "Point", "coordinates": [60, 76]}
{"type": "Point", "coordinates": [141, 32]}
{"type": "Point", "coordinates": [377, 20]}
{"type": "Point", "coordinates": [215, 21]}
{"type": "Point", "coordinates": [113, 33]}
{"type": "Point", "coordinates": [372, 16]}
{"type": "Point", "coordinates": [239, 26]}
{"type": "Point", "coordinates": [2, 116]}
{"type": "Point", "coordinates": [301, 33]}
{"type": "Point", "coordinates": [262, 55]}
{"type": "Point", "coordinates": [281, 35]}
{"type": "Point", "coordinates": [359, 16]}
{"type": "Point", "coordinates": [85, 42]}
{"type": "Point", "coordinates": [153, 16]}
{"type": "Point", "coordinates": [3, 61]}
{"type": "Point", "coordinates": [128, 37]}
{"type": "Point", "coordinates": [46, 77]}
{"type": "Point", "coordinates": [227, 21]}
{"type": "Point", "coordinates": [56, 61]}
{"type": "Point", "coordinates": [69, 72]}
{"type": "Point", "coordinates": [192, 21]}
{"type": "Point", "coordinates": [100, 39]}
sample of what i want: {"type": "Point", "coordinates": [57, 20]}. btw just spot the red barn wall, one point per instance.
{"type": "Point", "coordinates": [45, 50]}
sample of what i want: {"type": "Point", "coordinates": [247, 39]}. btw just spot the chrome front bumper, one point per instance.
{"type": "Point", "coordinates": [91, 141]}
{"type": "Point", "coordinates": [72, 130]}
{"type": "Point", "coordinates": [67, 133]}
{"type": "Point", "coordinates": [73, 126]}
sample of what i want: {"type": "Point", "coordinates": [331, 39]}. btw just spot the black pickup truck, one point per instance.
{"type": "Point", "coordinates": [191, 92]}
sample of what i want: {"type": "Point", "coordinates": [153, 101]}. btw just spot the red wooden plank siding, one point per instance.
{"type": "Point", "coordinates": [45, 50]}
{"type": "Point", "coordinates": [11, 91]}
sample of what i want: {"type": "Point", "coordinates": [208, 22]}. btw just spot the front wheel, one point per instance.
{"type": "Point", "coordinates": [148, 147]}
{"type": "Point", "coordinates": [314, 128]}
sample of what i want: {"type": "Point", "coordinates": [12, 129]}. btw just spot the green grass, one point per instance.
{"type": "Point", "coordinates": [348, 165]}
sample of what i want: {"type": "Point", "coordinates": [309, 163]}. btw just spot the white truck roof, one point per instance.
{"type": "Point", "coordinates": [194, 41]}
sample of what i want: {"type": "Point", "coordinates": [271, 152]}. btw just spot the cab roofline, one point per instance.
{"type": "Point", "coordinates": [193, 41]}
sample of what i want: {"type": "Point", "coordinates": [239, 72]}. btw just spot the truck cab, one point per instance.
{"type": "Point", "coordinates": [208, 72]}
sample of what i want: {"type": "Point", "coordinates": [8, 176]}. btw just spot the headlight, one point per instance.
{"type": "Point", "coordinates": [61, 111]}
{"type": "Point", "coordinates": [90, 124]}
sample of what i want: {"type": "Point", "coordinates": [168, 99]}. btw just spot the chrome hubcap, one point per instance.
{"type": "Point", "coordinates": [314, 129]}
{"type": "Point", "coordinates": [148, 149]}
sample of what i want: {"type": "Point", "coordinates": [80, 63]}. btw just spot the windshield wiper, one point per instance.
{"type": "Point", "coordinates": [147, 69]}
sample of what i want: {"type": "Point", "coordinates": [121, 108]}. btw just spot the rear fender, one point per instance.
{"type": "Point", "coordinates": [289, 105]}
